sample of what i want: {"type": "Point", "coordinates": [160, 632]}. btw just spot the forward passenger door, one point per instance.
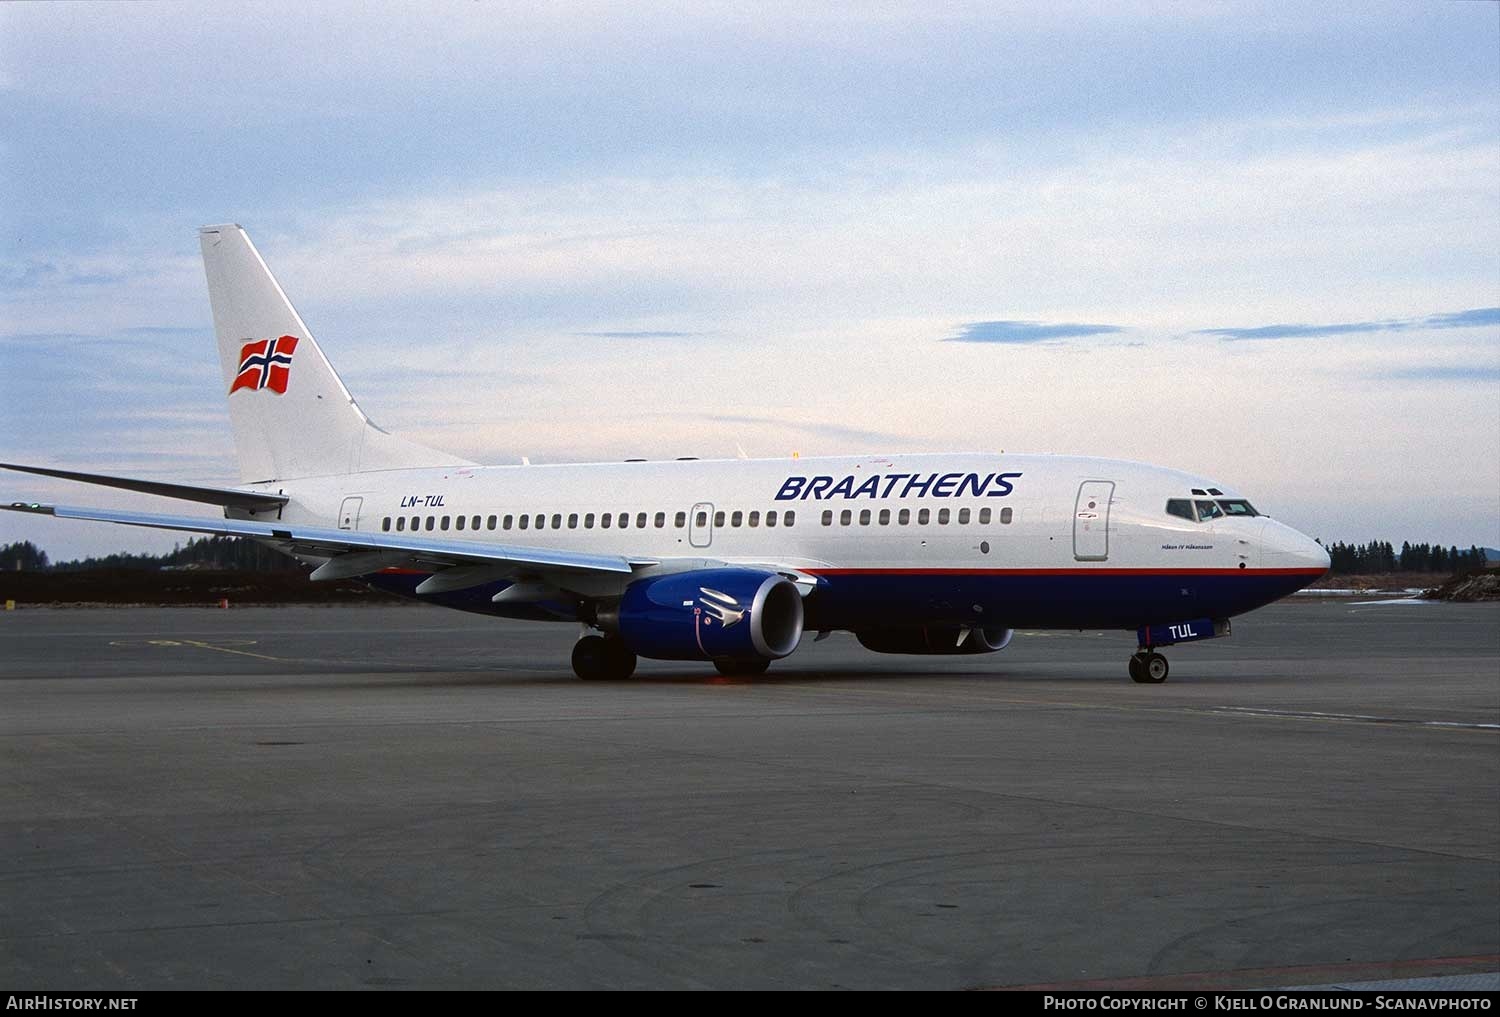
{"type": "Point", "coordinates": [1091, 520]}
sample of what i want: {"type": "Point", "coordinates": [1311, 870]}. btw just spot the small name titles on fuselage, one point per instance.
{"type": "Point", "coordinates": [422, 501]}
{"type": "Point", "coordinates": [898, 485]}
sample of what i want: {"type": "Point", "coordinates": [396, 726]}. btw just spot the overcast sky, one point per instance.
{"type": "Point", "coordinates": [1259, 242]}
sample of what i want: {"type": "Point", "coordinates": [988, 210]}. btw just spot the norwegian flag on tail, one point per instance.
{"type": "Point", "coordinates": [265, 363]}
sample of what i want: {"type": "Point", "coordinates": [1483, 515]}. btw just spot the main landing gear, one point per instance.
{"type": "Point", "coordinates": [602, 658]}
{"type": "Point", "coordinates": [1148, 667]}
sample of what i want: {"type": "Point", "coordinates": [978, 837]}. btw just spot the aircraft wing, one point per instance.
{"type": "Point", "coordinates": [356, 552]}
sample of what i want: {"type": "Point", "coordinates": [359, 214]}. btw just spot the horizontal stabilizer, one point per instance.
{"type": "Point", "coordinates": [254, 501]}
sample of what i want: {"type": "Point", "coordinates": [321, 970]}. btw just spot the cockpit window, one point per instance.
{"type": "Point", "coordinates": [1237, 507]}
{"type": "Point", "coordinates": [1207, 510]}
{"type": "Point", "coordinates": [1181, 507]}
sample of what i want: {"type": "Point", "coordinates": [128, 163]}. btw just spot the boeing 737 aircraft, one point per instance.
{"type": "Point", "coordinates": [723, 561]}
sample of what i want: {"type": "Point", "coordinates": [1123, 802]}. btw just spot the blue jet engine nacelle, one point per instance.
{"type": "Point", "coordinates": [712, 614]}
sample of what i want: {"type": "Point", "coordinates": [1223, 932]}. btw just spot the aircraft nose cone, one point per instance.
{"type": "Point", "coordinates": [1317, 554]}
{"type": "Point", "coordinates": [1285, 548]}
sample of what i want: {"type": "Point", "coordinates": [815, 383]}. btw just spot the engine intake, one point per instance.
{"type": "Point", "coordinates": [712, 614]}
{"type": "Point", "coordinates": [936, 639]}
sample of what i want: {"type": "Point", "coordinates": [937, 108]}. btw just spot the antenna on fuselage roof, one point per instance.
{"type": "Point", "coordinates": [741, 450]}
{"type": "Point", "coordinates": [525, 460]}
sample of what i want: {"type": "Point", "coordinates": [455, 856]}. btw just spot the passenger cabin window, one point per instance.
{"type": "Point", "coordinates": [924, 516]}
{"type": "Point", "coordinates": [400, 524]}
{"type": "Point", "coordinates": [719, 518]}
{"type": "Point", "coordinates": [474, 523]}
{"type": "Point", "coordinates": [984, 517]}
{"type": "Point", "coordinates": [942, 517]}
{"type": "Point", "coordinates": [572, 520]}
{"type": "Point", "coordinates": [523, 521]}
{"type": "Point", "coordinates": [1005, 516]}
{"type": "Point", "coordinates": [904, 517]}
{"type": "Point", "coordinates": [460, 522]}
{"type": "Point", "coordinates": [640, 520]}
{"type": "Point", "coordinates": [736, 518]}
{"type": "Point", "coordinates": [864, 517]}
{"type": "Point", "coordinates": [771, 518]}
{"type": "Point", "coordinates": [845, 517]}
{"type": "Point", "coordinates": [431, 522]}
{"type": "Point", "coordinates": [828, 517]}
{"type": "Point", "coordinates": [506, 524]}
{"type": "Point", "coordinates": [540, 522]}
{"type": "Point", "coordinates": [702, 519]}
{"type": "Point", "coordinates": [1182, 508]}
{"type": "Point", "coordinates": [680, 520]}
{"type": "Point", "coordinates": [445, 522]}
{"type": "Point", "coordinates": [557, 521]}
{"type": "Point", "coordinates": [789, 519]}
{"type": "Point", "coordinates": [963, 515]}
{"type": "Point", "coordinates": [885, 517]}
{"type": "Point", "coordinates": [385, 524]}
{"type": "Point", "coordinates": [490, 523]}
{"type": "Point", "coordinates": [661, 520]}
{"type": "Point", "coordinates": [604, 521]}
{"type": "Point", "coordinates": [588, 521]}
{"type": "Point", "coordinates": [754, 519]}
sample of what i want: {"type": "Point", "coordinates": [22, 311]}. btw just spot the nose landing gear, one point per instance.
{"type": "Point", "coordinates": [1148, 667]}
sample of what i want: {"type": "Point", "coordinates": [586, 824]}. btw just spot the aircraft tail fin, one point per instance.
{"type": "Point", "coordinates": [290, 412]}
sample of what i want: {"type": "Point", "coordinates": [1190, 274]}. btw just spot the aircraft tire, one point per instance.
{"type": "Point", "coordinates": [591, 658]}
{"type": "Point", "coordinates": [596, 658]}
{"type": "Point", "coordinates": [1154, 669]}
{"type": "Point", "coordinates": [621, 661]}
{"type": "Point", "coordinates": [741, 667]}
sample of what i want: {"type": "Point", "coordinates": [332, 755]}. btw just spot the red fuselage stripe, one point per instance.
{"type": "Point", "coordinates": [1310, 572]}
{"type": "Point", "coordinates": [1313, 572]}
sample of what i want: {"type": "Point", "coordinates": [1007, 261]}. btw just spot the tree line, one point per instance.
{"type": "Point", "coordinates": [227, 553]}
{"type": "Point", "coordinates": [1381, 556]}
{"type": "Point", "coordinates": [240, 554]}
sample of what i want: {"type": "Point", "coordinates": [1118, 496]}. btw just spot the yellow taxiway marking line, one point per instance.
{"type": "Point", "coordinates": [200, 645]}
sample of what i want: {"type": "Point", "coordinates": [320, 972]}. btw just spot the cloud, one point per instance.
{"type": "Point", "coordinates": [1457, 319]}
{"type": "Point", "coordinates": [1457, 372]}
{"type": "Point", "coordinates": [36, 273]}
{"type": "Point", "coordinates": [640, 335]}
{"type": "Point", "coordinates": [835, 431]}
{"type": "Point", "coordinates": [1465, 319]}
{"type": "Point", "coordinates": [162, 330]}
{"type": "Point", "coordinates": [1026, 332]}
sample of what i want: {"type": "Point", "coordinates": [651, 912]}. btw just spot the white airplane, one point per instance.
{"type": "Point", "coordinates": [724, 561]}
